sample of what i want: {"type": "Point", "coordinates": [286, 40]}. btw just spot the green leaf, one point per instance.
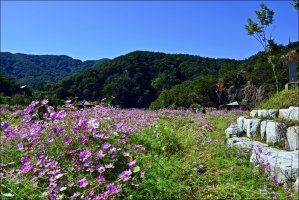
{"type": "Point", "coordinates": [136, 169]}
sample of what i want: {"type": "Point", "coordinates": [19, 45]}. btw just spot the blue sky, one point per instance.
{"type": "Point", "coordinates": [101, 29]}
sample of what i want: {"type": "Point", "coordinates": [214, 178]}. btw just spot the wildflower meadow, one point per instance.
{"type": "Point", "coordinates": [110, 153]}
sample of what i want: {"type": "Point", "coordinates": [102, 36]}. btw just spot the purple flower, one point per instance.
{"type": "Point", "coordinates": [67, 141]}
{"type": "Point", "coordinates": [103, 196]}
{"type": "Point", "coordinates": [125, 175]}
{"type": "Point", "coordinates": [26, 167]}
{"type": "Point", "coordinates": [4, 124]}
{"type": "Point", "coordinates": [274, 197]}
{"type": "Point", "coordinates": [142, 174]}
{"type": "Point", "coordinates": [126, 154]}
{"type": "Point", "coordinates": [70, 184]}
{"type": "Point", "coordinates": [106, 145]}
{"type": "Point", "coordinates": [132, 163]}
{"type": "Point", "coordinates": [44, 101]}
{"type": "Point", "coordinates": [100, 180]}
{"type": "Point", "coordinates": [83, 182]}
{"type": "Point", "coordinates": [91, 192]}
{"type": "Point", "coordinates": [50, 139]}
{"type": "Point", "coordinates": [208, 140]}
{"type": "Point", "coordinates": [84, 155]}
{"type": "Point", "coordinates": [20, 146]}
{"type": "Point", "coordinates": [112, 189]}
{"type": "Point", "coordinates": [71, 151]}
{"type": "Point", "coordinates": [100, 154]}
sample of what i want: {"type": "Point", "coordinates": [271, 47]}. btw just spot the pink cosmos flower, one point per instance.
{"type": "Point", "coordinates": [83, 182]}
{"type": "Point", "coordinates": [103, 196]}
{"type": "Point", "coordinates": [67, 141]}
{"type": "Point", "coordinates": [84, 155]}
{"type": "Point", "coordinates": [70, 184]}
{"type": "Point", "coordinates": [132, 163]}
{"type": "Point", "coordinates": [142, 174]}
{"type": "Point", "coordinates": [100, 180]}
{"type": "Point", "coordinates": [71, 151]}
{"type": "Point", "coordinates": [125, 175]}
{"type": "Point", "coordinates": [112, 189]}
{"type": "Point", "coordinates": [44, 101]}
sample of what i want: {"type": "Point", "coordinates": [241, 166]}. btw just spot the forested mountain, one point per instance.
{"type": "Point", "coordinates": [140, 78]}
{"type": "Point", "coordinates": [36, 69]}
{"type": "Point", "coordinates": [136, 79]}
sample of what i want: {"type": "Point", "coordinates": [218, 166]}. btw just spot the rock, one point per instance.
{"type": "Point", "coordinates": [253, 113]}
{"type": "Point", "coordinates": [293, 137]}
{"type": "Point", "coordinates": [240, 122]}
{"type": "Point", "coordinates": [233, 131]}
{"type": "Point", "coordinates": [252, 127]}
{"type": "Point", "coordinates": [283, 113]}
{"type": "Point", "coordinates": [272, 113]}
{"type": "Point", "coordinates": [244, 143]}
{"type": "Point", "coordinates": [262, 113]}
{"type": "Point", "coordinates": [282, 164]}
{"type": "Point", "coordinates": [293, 113]}
{"type": "Point", "coordinates": [275, 131]}
{"type": "Point", "coordinates": [263, 129]}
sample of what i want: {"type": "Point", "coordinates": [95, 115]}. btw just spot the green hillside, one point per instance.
{"type": "Point", "coordinates": [36, 69]}
{"type": "Point", "coordinates": [139, 78]}
{"type": "Point", "coordinates": [283, 99]}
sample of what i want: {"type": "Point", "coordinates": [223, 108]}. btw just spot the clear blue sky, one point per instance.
{"type": "Point", "coordinates": [101, 29]}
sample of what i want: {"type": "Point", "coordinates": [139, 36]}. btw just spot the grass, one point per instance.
{"type": "Point", "coordinates": [173, 153]}
{"type": "Point", "coordinates": [283, 99]}
{"type": "Point", "coordinates": [176, 146]}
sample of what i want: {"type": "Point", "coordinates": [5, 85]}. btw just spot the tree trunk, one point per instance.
{"type": "Point", "coordinates": [273, 68]}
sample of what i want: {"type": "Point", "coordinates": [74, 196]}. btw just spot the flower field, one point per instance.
{"type": "Point", "coordinates": [109, 153]}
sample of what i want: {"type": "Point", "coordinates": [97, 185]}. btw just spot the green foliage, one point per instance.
{"type": "Point", "coordinates": [36, 69]}
{"type": "Point", "coordinates": [198, 91]}
{"type": "Point", "coordinates": [258, 29]}
{"type": "Point", "coordinates": [172, 154]}
{"type": "Point", "coordinates": [138, 78]}
{"type": "Point", "coordinates": [283, 99]}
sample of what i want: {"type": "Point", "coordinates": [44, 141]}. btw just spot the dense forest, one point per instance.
{"type": "Point", "coordinates": [37, 69]}
{"type": "Point", "coordinates": [142, 79]}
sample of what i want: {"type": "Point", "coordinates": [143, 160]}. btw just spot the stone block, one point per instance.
{"type": "Point", "coordinates": [252, 127]}
{"type": "Point", "coordinates": [240, 122]}
{"type": "Point", "coordinates": [275, 131]}
{"type": "Point", "coordinates": [253, 113]}
{"type": "Point", "coordinates": [293, 137]}
{"type": "Point", "coordinates": [293, 113]}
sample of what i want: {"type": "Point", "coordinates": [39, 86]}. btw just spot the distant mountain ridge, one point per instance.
{"type": "Point", "coordinates": [35, 69]}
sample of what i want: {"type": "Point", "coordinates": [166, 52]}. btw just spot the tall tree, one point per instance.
{"type": "Point", "coordinates": [259, 31]}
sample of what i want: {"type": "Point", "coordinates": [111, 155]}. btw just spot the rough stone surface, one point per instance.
{"type": "Point", "coordinates": [233, 131]}
{"type": "Point", "coordinates": [262, 113]}
{"type": "Point", "coordinates": [275, 131]}
{"type": "Point", "coordinates": [252, 126]}
{"type": "Point", "coordinates": [263, 128]}
{"type": "Point", "coordinates": [244, 143]}
{"type": "Point", "coordinates": [293, 113]}
{"type": "Point", "coordinates": [283, 164]}
{"type": "Point", "coordinates": [240, 122]}
{"type": "Point", "coordinates": [272, 113]}
{"type": "Point", "coordinates": [283, 113]}
{"type": "Point", "coordinates": [293, 137]}
{"type": "Point", "coordinates": [253, 113]}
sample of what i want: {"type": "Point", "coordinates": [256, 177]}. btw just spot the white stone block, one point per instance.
{"type": "Point", "coordinates": [293, 137]}
{"type": "Point", "coordinates": [272, 113]}
{"type": "Point", "coordinates": [240, 122]}
{"type": "Point", "coordinates": [293, 113]}
{"type": "Point", "coordinates": [275, 131]}
{"type": "Point", "coordinates": [252, 127]}
{"type": "Point", "coordinates": [283, 113]}
{"type": "Point", "coordinates": [253, 113]}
